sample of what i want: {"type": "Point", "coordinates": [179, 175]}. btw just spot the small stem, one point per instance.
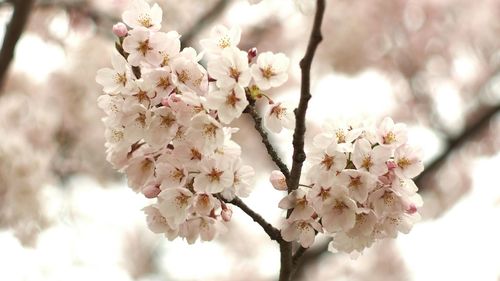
{"type": "Point", "coordinates": [265, 140]}
{"type": "Point", "coordinates": [273, 232]}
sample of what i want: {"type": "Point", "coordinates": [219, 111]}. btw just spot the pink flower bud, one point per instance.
{"type": "Point", "coordinates": [412, 209]}
{"type": "Point", "coordinates": [164, 101]}
{"type": "Point", "coordinates": [226, 214]}
{"type": "Point", "coordinates": [151, 191]}
{"type": "Point", "coordinates": [391, 165]}
{"type": "Point", "coordinates": [278, 180]}
{"type": "Point", "coordinates": [120, 29]}
{"type": "Point", "coordinates": [252, 53]}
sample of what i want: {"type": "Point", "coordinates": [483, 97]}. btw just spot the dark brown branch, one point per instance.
{"type": "Point", "coordinates": [13, 32]}
{"type": "Point", "coordinates": [299, 155]}
{"type": "Point", "coordinates": [273, 232]}
{"type": "Point", "coordinates": [203, 22]}
{"type": "Point", "coordinates": [265, 139]}
{"type": "Point", "coordinates": [455, 143]}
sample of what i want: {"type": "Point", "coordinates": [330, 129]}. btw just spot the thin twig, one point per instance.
{"type": "Point", "coordinates": [299, 155]}
{"type": "Point", "coordinates": [13, 32]}
{"type": "Point", "coordinates": [212, 14]}
{"type": "Point", "coordinates": [265, 139]}
{"type": "Point", "coordinates": [273, 232]}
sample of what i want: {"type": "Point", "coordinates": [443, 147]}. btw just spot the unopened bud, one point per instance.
{"type": "Point", "coordinates": [226, 214]}
{"type": "Point", "coordinates": [251, 53]}
{"type": "Point", "coordinates": [278, 180]}
{"type": "Point", "coordinates": [412, 209]}
{"type": "Point", "coordinates": [151, 191]}
{"type": "Point", "coordinates": [120, 29]}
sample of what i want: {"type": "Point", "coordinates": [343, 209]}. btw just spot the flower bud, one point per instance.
{"type": "Point", "coordinates": [120, 29]}
{"type": "Point", "coordinates": [278, 180]}
{"type": "Point", "coordinates": [151, 191]}
{"type": "Point", "coordinates": [226, 214]}
{"type": "Point", "coordinates": [252, 53]}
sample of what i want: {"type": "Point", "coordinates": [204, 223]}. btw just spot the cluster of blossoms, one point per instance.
{"type": "Point", "coordinates": [167, 120]}
{"type": "Point", "coordinates": [360, 187]}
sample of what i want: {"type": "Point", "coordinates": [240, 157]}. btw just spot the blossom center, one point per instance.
{"type": "Point", "coordinates": [195, 154]}
{"type": "Point", "coordinates": [340, 136]}
{"type": "Point", "coordinates": [210, 130]}
{"type": "Point", "coordinates": [215, 175]}
{"type": "Point", "coordinates": [234, 73]}
{"type": "Point", "coordinates": [404, 162]}
{"type": "Point", "coordinates": [328, 161]}
{"type": "Point", "coordinates": [164, 83]}
{"type": "Point", "coordinates": [167, 121]}
{"type": "Point", "coordinates": [144, 47]}
{"type": "Point", "coordinates": [183, 76]}
{"type": "Point", "coordinates": [367, 162]}
{"type": "Point", "coordinates": [121, 78]}
{"type": "Point", "coordinates": [232, 99]}
{"type": "Point", "coordinates": [224, 42]}
{"type": "Point", "coordinates": [389, 138]}
{"type": "Point", "coordinates": [355, 182]}
{"type": "Point", "coordinates": [145, 20]}
{"type": "Point", "coordinates": [267, 72]}
{"type": "Point", "coordinates": [177, 174]}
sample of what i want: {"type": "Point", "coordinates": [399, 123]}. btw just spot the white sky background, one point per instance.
{"type": "Point", "coordinates": [92, 225]}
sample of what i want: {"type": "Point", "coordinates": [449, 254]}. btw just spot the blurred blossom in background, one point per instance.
{"type": "Point", "coordinates": [65, 214]}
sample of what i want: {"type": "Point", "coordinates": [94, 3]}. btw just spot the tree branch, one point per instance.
{"type": "Point", "coordinates": [204, 21]}
{"type": "Point", "coordinates": [265, 139]}
{"type": "Point", "coordinates": [455, 143]}
{"type": "Point", "coordinates": [273, 232]}
{"type": "Point", "coordinates": [13, 32]}
{"type": "Point", "coordinates": [299, 155]}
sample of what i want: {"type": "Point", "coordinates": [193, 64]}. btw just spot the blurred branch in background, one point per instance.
{"type": "Point", "coordinates": [13, 32]}
{"type": "Point", "coordinates": [203, 22]}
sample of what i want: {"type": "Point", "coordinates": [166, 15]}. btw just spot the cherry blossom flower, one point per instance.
{"type": "Point", "coordinates": [118, 79]}
{"type": "Point", "coordinates": [339, 212]}
{"type": "Point", "coordinates": [206, 131]}
{"type": "Point", "coordinates": [215, 175]}
{"type": "Point", "coordinates": [158, 223]}
{"type": "Point", "coordinates": [221, 38]}
{"type": "Point", "coordinates": [271, 70]}
{"type": "Point", "coordinates": [360, 184]}
{"type": "Point", "coordinates": [302, 231]}
{"type": "Point", "coordinates": [409, 161]}
{"type": "Point", "coordinates": [278, 180]}
{"type": "Point", "coordinates": [230, 68]}
{"type": "Point", "coordinates": [140, 170]}
{"type": "Point", "coordinates": [372, 160]}
{"type": "Point", "coordinates": [171, 175]}
{"type": "Point", "coordinates": [297, 200]}
{"type": "Point", "coordinates": [229, 103]}
{"type": "Point", "coordinates": [278, 117]}
{"type": "Point", "coordinates": [174, 204]}
{"type": "Point", "coordinates": [141, 15]}
{"type": "Point", "coordinates": [142, 45]}
{"type": "Point", "coordinates": [244, 177]}
{"type": "Point", "coordinates": [390, 134]}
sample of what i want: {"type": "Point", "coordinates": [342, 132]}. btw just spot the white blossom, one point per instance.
{"type": "Point", "coordinates": [143, 45]}
{"type": "Point", "coordinates": [221, 38]}
{"type": "Point", "coordinates": [271, 70]}
{"type": "Point", "coordinates": [142, 15]}
{"type": "Point", "coordinates": [229, 103]}
{"type": "Point", "coordinates": [230, 68]}
{"type": "Point", "coordinates": [278, 117]}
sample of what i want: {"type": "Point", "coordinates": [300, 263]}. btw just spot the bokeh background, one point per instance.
{"type": "Point", "coordinates": [65, 214]}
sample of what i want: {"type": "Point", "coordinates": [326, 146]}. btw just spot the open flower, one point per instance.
{"type": "Point", "coordinates": [278, 117]}
{"type": "Point", "coordinates": [303, 231]}
{"type": "Point", "coordinates": [229, 103]}
{"type": "Point", "coordinates": [142, 15]}
{"type": "Point", "coordinates": [271, 70]}
{"type": "Point", "coordinates": [221, 38]}
{"type": "Point", "coordinates": [145, 46]}
{"type": "Point", "coordinates": [230, 68]}
{"type": "Point", "coordinates": [118, 79]}
{"type": "Point", "coordinates": [215, 175]}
